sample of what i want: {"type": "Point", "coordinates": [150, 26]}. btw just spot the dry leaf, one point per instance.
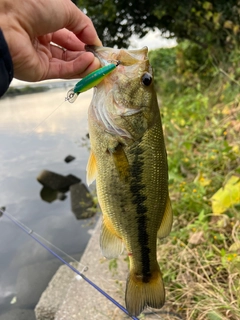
{"type": "Point", "coordinates": [196, 238]}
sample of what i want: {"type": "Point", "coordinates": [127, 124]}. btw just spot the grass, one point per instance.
{"type": "Point", "coordinates": [200, 260]}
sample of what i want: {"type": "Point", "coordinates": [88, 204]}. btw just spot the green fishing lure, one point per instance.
{"type": "Point", "coordinates": [90, 81]}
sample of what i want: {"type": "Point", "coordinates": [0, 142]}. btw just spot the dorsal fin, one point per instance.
{"type": "Point", "coordinates": [91, 169]}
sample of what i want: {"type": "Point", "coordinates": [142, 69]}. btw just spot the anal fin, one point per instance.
{"type": "Point", "coordinates": [166, 224]}
{"type": "Point", "coordinates": [111, 245]}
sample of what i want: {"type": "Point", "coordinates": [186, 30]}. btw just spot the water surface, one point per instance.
{"type": "Point", "coordinates": [28, 145]}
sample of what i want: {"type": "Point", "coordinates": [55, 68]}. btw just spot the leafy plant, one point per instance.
{"type": "Point", "coordinates": [201, 118]}
{"type": "Point", "coordinates": [211, 24]}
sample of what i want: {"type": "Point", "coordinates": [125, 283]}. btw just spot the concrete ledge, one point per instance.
{"type": "Point", "coordinates": [53, 296]}
{"type": "Point", "coordinates": [84, 302]}
{"type": "Point", "coordinates": [69, 297]}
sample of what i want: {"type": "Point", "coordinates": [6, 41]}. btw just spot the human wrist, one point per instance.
{"type": "Point", "coordinates": [7, 25]}
{"type": "Point", "coordinates": [6, 65]}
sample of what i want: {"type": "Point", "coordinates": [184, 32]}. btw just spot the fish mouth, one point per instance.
{"type": "Point", "coordinates": [124, 57]}
{"type": "Point", "coordinates": [95, 49]}
{"type": "Point", "coordinates": [100, 53]}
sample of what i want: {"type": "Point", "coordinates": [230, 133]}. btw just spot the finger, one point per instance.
{"type": "Point", "coordinates": [82, 26]}
{"type": "Point", "coordinates": [65, 55]}
{"type": "Point", "coordinates": [67, 40]}
{"type": "Point", "coordinates": [38, 20]}
{"type": "Point", "coordinates": [77, 68]}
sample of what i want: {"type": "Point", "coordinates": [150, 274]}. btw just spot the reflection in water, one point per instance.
{"type": "Point", "coordinates": [24, 152]}
{"type": "Point", "coordinates": [49, 195]}
{"type": "Point", "coordinates": [55, 187]}
{"type": "Point", "coordinates": [23, 114]}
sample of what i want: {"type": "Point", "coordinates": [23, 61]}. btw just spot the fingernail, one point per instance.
{"type": "Point", "coordinates": [98, 42]}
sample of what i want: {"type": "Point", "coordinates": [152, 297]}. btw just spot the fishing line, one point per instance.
{"type": "Point", "coordinates": [50, 114]}
{"type": "Point", "coordinates": [34, 236]}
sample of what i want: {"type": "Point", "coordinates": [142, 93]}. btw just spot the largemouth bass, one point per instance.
{"type": "Point", "coordinates": [129, 161]}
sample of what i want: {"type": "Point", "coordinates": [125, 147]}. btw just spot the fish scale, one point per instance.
{"type": "Point", "coordinates": [129, 161]}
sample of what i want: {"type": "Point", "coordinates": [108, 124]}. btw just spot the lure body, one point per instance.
{"type": "Point", "coordinates": [93, 79]}
{"type": "Point", "coordinates": [90, 81]}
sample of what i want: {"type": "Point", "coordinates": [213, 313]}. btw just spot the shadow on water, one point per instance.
{"type": "Point", "coordinates": [25, 152]}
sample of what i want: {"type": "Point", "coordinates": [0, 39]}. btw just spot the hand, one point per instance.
{"type": "Point", "coordinates": [30, 26]}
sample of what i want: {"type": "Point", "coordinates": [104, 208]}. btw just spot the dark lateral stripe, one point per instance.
{"type": "Point", "coordinates": [138, 198]}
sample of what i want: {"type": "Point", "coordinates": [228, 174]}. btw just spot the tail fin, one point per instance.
{"type": "Point", "coordinates": [140, 294]}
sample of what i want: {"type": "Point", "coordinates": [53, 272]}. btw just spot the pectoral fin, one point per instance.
{"type": "Point", "coordinates": [111, 245]}
{"type": "Point", "coordinates": [166, 224]}
{"type": "Point", "coordinates": [121, 161]}
{"type": "Point", "coordinates": [91, 169]}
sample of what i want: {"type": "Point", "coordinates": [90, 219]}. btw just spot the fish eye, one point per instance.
{"type": "Point", "coordinates": [146, 79]}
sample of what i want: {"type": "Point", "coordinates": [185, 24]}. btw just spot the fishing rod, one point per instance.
{"type": "Point", "coordinates": [33, 235]}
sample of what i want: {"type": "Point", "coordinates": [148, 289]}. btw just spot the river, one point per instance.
{"type": "Point", "coordinates": [31, 141]}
